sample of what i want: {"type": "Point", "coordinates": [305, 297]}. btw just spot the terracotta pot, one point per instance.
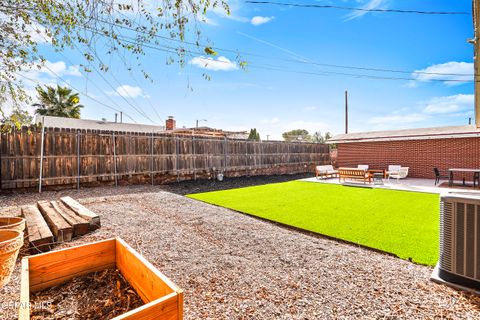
{"type": "Point", "coordinates": [12, 223]}
{"type": "Point", "coordinates": [10, 243]}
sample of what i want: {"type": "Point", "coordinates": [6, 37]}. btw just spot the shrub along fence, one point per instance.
{"type": "Point", "coordinates": [38, 158]}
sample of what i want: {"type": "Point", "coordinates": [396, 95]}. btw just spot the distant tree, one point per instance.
{"type": "Point", "coordinates": [317, 137]}
{"type": "Point", "coordinates": [254, 135]}
{"type": "Point", "coordinates": [296, 135]}
{"type": "Point", "coordinates": [17, 119]}
{"type": "Point", "coordinates": [120, 29]}
{"type": "Point", "coordinates": [59, 102]}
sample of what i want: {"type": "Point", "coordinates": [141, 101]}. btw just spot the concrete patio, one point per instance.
{"type": "Point", "coordinates": [408, 184]}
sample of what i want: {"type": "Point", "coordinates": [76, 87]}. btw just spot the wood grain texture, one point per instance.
{"type": "Point", "coordinates": [79, 225]}
{"type": "Point", "coordinates": [163, 299]}
{"type": "Point", "coordinates": [83, 212]}
{"type": "Point", "coordinates": [40, 237]}
{"type": "Point", "coordinates": [24, 309]}
{"type": "Point", "coordinates": [142, 157]}
{"type": "Point", "coordinates": [60, 228]}
{"type": "Point", "coordinates": [165, 308]}
{"type": "Point", "coordinates": [149, 283]}
{"type": "Point", "coordinates": [59, 266]}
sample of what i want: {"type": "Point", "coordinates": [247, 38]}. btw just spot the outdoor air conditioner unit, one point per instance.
{"type": "Point", "coordinates": [459, 263]}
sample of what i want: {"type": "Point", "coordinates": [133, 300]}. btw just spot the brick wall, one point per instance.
{"type": "Point", "coordinates": [420, 155]}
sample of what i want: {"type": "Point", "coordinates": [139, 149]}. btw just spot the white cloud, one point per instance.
{"type": "Point", "coordinates": [459, 72]}
{"type": "Point", "coordinates": [38, 33]}
{"type": "Point", "coordinates": [450, 104]}
{"type": "Point", "coordinates": [233, 6]}
{"type": "Point", "coordinates": [310, 126]}
{"type": "Point", "coordinates": [127, 91]}
{"type": "Point", "coordinates": [60, 68]}
{"type": "Point", "coordinates": [50, 71]}
{"type": "Point", "coordinates": [396, 120]}
{"type": "Point", "coordinates": [219, 64]}
{"type": "Point", "coordinates": [370, 5]}
{"type": "Point", "coordinates": [311, 108]}
{"type": "Point", "coordinates": [460, 105]}
{"type": "Point", "coordinates": [259, 20]}
{"type": "Point", "coordinates": [274, 120]}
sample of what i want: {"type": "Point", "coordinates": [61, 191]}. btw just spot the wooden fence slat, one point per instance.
{"type": "Point", "coordinates": [74, 157]}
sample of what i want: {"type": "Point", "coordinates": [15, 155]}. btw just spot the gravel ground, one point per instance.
{"type": "Point", "coordinates": [233, 266]}
{"type": "Point", "coordinates": [14, 198]}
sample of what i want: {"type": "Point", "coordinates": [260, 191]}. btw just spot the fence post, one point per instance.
{"type": "Point", "coordinates": [78, 159]}
{"type": "Point", "coordinates": [288, 155]}
{"type": "Point", "coordinates": [276, 157]}
{"type": "Point", "coordinates": [260, 149]}
{"type": "Point", "coordinates": [246, 157]}
{"type": "Point", "coordinates": [41, 160]}
{"type": "Point", "coordinates": [151, 159]}
{"type": "Point", "coordinates": [177, 146]}
{"type": "Point", "coordinates": [114, 159]}
{"type": "Point", "coordinates": [194, 159]}
{"type": "Point", "coordinates": [225, 156]}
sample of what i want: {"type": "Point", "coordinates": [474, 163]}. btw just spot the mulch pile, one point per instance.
{"type": "Point", "coordinates": [98, 295]}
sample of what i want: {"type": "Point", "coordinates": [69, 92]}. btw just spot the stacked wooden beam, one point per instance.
{"type": "Point", "coordinates": [53, 222]}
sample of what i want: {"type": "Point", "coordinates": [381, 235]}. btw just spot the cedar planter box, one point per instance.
{"type": "Point", "coordinates": [162, 298]}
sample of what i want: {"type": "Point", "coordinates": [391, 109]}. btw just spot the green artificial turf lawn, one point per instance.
{"type": "Point", "coordinates": [403, 223]}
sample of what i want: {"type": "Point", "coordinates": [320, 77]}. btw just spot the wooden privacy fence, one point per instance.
{"type": "Point", "coordinates": [76, 157]}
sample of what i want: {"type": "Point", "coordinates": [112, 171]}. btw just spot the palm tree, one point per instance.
{"type": "Point", "coordinates": [59, 102]}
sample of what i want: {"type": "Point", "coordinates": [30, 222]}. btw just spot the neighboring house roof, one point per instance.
{"type": "Point", "coordinates": [84, 124]}
{"type": "Point", "coordinates": [466, 131]}
{"type": "Point", "coordinates": [210, 132]}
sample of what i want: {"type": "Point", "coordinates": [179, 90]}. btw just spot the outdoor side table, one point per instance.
{"type": "Point", "coordinates": [378, 178]}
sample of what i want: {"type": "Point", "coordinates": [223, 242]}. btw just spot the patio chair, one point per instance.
{"type": "Point", "coordinates": [393, 169]}
{"type": "Point", "coordinates": [402, 173]}
{"type": "Point", "coordinates": [363, 166]}
{"type": "Point", "coordinates": [438, 176]}
{"type": "Point", "coordinates": [476, 179]}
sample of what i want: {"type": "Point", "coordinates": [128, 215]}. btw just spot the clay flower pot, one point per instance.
{"type": "Point", "coordinates": [12, 223]}
{"type": "Point", "coordinates": [10, 243]}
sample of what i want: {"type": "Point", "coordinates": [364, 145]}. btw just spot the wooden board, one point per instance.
{"type": "Point", "coordinates": [142, 157]}
{"type": "Point", "coordinates": [24, 311]}
{"type": "Point", "coordinates": [165, 308]}
{"type": "Point", "coordinates": [49, 269]}
{"type": "Point", "coordinates": [59, 266]}
{"type": "Point", "coordinates": [149, 283]}
{"type": "Point", "coordinates": [79, 225]}
{"type": "Point", "coordinates": [60, 228]}
{"type": "Point", "coordinates": [83, 212]}
{"type": "Point", "coordinates": [40, 237]}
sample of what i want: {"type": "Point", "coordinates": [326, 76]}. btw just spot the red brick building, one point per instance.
{"type": "Point", "coordinates": [419, 149]}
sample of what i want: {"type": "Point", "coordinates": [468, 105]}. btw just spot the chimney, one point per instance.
{"type": "Point", "coordinates": [170, 123]}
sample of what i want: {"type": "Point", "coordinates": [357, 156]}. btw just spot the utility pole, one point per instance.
{"type": "Point", "coordinates": [476, 52]}
{"type": "Point", "coordinates": [346, 111]}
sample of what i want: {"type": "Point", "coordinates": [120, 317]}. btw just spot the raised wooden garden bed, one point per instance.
{"type": "Point", "coordinates": [162, 298]}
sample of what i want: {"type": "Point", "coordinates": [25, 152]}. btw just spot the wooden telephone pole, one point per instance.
{"type": "Point", "coordinates": [476, 44]}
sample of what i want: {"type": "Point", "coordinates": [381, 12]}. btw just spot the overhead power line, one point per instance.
{"type": "Point", "coordinates": [300, 61]}
{"type": "Point", "coordinates": [252, 54]}
{"type": "Point", "coordinates": [82, 92]}
{"type": "Point", "coordinates": [321, 6]}
{"type": "Point", "coordinates": [170, 50]}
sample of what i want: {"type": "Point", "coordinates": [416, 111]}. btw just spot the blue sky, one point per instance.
{"type": "Point", "coordinates": [308, 95]}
